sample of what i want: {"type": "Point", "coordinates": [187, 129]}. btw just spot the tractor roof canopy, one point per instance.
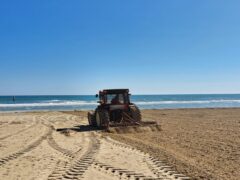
{"type": "Point", "coordinates": [115, 91]}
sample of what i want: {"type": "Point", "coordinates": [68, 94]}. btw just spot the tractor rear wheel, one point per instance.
{"type": "Point", "coordinates": [102, 118]}
{"type": "Point", "coordinates": [135, 113]}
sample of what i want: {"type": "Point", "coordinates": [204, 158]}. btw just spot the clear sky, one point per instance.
{"type": "Point", "coordinates": [149, 46]}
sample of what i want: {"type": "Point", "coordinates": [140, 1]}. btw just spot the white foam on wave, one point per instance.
{"type": "Point", "coordinates": [186, 102]}
{"type": "Point", "coordinates": [45, 104]}
{"type": "Point", "coordinates": [94, 103]}
{"type": "Point", "coordinates": [55, 100]}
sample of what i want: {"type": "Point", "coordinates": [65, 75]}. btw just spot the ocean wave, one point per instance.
{"type": "Point", "coordinates": [54, 100]}
{"type": "Point", "coordinates": [185, 102]}
{"type": "Point", "coordinates": [45, 104]}
{"type": "Point", "coordinates": [94, 103]}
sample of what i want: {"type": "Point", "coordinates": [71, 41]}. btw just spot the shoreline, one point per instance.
{"type": "Point", "coordinates": [86, 110]}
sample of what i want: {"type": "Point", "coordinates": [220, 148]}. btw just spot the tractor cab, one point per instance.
{"type": "Point", "coordinates": [114, 97]}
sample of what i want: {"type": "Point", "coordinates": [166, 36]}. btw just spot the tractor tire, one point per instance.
{"type": "Point", "coordinates": [135, 113]}
{"type": "Point", "coordinates": [91, 118]}
{"type": "Point", "coordinates": [102, 118]}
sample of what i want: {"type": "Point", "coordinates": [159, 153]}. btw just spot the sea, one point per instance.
{"type": "Point", "coordinates": [89, 102]}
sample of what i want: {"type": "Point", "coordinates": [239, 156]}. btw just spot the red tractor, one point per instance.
{"type": "Point", "coordinates": [114, 109]}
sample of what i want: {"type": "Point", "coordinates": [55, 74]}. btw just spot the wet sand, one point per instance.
{"type": "Point", "coordinates": [198, 143]}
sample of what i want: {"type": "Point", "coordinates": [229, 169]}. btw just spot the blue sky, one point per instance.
{"type": "Point", "coordinates": [149, 46]}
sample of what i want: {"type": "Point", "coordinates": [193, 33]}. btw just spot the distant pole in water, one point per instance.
{"type": "Point", "coordinates": [14, 99]}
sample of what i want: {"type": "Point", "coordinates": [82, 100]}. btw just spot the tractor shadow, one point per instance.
{"type": "Point", "coordinates": [80, 128]}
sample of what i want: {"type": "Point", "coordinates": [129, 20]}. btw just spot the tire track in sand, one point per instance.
{"type": "Point", "coordinates": [53, 144]}
{"type": "Point", "coordinates": [156, 166]}
{"type": "Point", "coordinates": [30, 147]}
{"type": "Point", "coordinates": [120, 173]}
{"type": "Point", "coordinates": [78, 166]}
{"type": "Point", "coordinates": [65, 152]}
{"type": "Point", "coordinates": [20, 131]}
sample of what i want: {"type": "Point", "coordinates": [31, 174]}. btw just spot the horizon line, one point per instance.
{"type": "Point", "coordinates": [130, 93]}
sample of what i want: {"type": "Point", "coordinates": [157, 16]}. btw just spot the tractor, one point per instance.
{"type": "Point", "coordinates": [114, 109]}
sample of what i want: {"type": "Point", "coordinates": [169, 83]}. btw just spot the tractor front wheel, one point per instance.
{"type": "Point", "coordinates": [91, 118]}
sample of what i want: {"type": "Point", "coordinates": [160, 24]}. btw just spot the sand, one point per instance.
{"type": "Point", "coordinates": [201, 143]}
{"type": "Point", "coordinates": [196, 143]}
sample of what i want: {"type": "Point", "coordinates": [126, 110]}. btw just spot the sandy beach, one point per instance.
{"type": "Point", "coordinates": [195, 143]}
